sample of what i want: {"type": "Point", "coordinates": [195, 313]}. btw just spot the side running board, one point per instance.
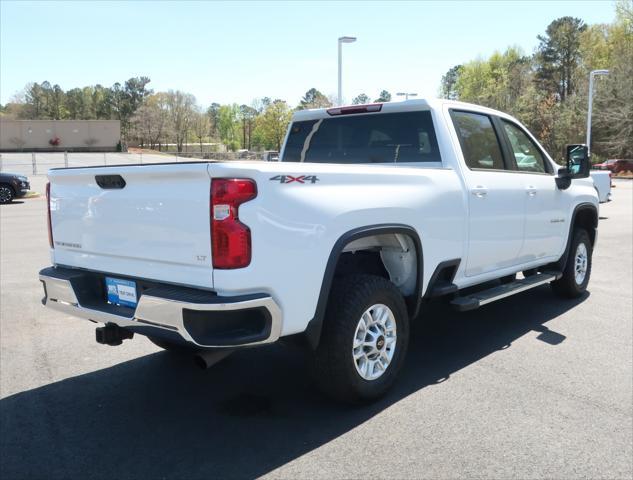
{"type": "Point", "coordinates": [476, 300]}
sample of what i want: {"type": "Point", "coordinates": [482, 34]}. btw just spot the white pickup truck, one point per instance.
{"type": "Point", "coordinates": [371, 211]}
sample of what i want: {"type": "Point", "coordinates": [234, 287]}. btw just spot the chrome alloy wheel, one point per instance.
{"type": "Point", "coordinates": [580, 263]}
{"type": "Point", "coordinates": [374, 341]}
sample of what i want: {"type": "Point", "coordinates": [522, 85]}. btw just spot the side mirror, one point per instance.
{"type": "Point", "coordinates": [563, 180]}
{"type": "Point", "coordinates": [578, 164]}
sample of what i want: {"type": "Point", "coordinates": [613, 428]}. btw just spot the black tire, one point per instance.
{"type": "Point", "coordinates": [567, 286]}
{"type": "Point", "coordinates": [171, 346]}
{"type": "Point", "coordinates": [333, 365]}
{"type": "Point", "coordinates": [6, 193]}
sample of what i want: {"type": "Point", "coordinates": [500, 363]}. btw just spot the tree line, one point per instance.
{"type": "Point", "coordinates": [548, 90]}
{"type": "Point", "coordinates": [173, 117]}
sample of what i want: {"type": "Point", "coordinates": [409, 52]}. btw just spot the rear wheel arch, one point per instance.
{"type": "Point", "coordinates": [313, 330]}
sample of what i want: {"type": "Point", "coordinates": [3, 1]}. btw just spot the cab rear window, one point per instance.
{"type": "Point", "coordinates": [383, 138]}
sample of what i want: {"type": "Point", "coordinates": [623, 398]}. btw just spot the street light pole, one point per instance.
{"type": "Point", "coordinates": [406, 95]}
{"type": "Point", "coordinates": [341, 41]}
{"type": "Point", "coordinates": [592, 74]}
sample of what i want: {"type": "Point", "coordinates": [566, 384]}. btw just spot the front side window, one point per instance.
{"type": "Point", "coordinates": [527, 156]}
{"type": "Point", "coordinates": [373, 138]}
{"type": "Point", "coordinates": [478, 140]}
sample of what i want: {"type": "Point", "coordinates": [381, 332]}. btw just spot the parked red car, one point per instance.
{"type": "Point", "coordinates": [606, 165]}
{"type": "Point", "coordinates": [623, 166]}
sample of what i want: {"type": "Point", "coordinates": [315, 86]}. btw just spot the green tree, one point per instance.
{"type": "Point", "coordinates": [558, 56]}
{"type": "Point", "coordinates": [613, 108]}
{"type": "Point", "coordinates": [273, 123]}
{"type": "Point", "coordinates": [181, 108]}
{"type": "Point", "coordinates": [57, 103]}
{"type": "Point", "coordinates": [360, 99]}
{"type": "Point", "coordinates": [449, 82]}
{"type": "Point", "coordinates": [384, 96]}
{"type": "Point", "coordinates": [75, 103]}
{"type": "Point", "coordinates": [247, 118]}
{"type": "Point", "coordinates": [35, 101]}
{"type": "Point", "coordinates": [213, 114]}
{"type": "Point", "coordinates": [201, 126]}
{"type": "Point", "coordinates": [228, 125]}
{"type": "Point", "coordinates": [314, 99]}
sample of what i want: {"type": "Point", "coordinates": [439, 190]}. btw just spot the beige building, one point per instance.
{"type": "Point", "coordinates": [59, 135]}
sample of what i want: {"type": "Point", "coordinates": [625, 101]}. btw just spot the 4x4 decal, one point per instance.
{"type": "Point", "coordinates": [291, 179]}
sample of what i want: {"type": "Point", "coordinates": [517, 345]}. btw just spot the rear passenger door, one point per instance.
{"type": "Point", "coordinates": [496, 195]}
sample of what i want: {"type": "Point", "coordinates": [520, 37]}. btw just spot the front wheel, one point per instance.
{"type": "Point", "coordinates": [364, 340]}
{"type": "Point", "coordinates": [6, 194]}
{"type": "Point", "coordinates": [577, 271]}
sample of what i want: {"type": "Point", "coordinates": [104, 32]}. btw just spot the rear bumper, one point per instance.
{"type": "Point", "coordinates": [196, 317]}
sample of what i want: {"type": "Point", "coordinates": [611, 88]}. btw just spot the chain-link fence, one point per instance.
{"type": "Point", "coordinates": [37, 163]}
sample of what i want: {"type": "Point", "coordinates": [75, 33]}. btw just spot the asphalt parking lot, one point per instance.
{"type": "Point", "coordinates": [530, 386]}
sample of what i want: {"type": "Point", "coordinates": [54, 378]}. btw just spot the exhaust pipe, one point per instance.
{"type": "Point", "coordinates": [208, 358]}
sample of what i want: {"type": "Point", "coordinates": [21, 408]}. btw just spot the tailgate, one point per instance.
{"type": "Point", "coordinates": [156, 226]}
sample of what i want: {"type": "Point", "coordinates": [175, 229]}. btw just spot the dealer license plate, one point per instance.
{"type": "Point", "coordinates": [121, 292]}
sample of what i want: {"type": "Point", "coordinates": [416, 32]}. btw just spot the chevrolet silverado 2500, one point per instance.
{"type": "Point", "coordinates": [370, 211]}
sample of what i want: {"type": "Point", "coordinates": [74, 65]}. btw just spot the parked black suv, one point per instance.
{"type": "Point", "coordinates": [12, 185]}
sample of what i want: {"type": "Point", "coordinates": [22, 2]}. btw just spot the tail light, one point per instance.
{"type": "Point", "coordinates": [48, 215]}
{"type": "Point", "coordinates": [230, 238]}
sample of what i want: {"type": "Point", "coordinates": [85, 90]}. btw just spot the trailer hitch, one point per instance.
{"type": "Point", "coordinates": [112, 334]}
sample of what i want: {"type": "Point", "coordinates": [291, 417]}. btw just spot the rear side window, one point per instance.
{"type": "Point", "coordinates": [297, 137]}
{"type": "Point", "coordinates": [381, 138]}
{"type": "Point", "coordinates": [478, 140]}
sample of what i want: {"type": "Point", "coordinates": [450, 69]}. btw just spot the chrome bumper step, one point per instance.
{"type": "Point", "coordinates": [180, 311]}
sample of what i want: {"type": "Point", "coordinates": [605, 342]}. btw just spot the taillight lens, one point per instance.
{"type": "Point", "coordinates": [48, 215]}
{"type": "Point", "coordinates": [230, 238]}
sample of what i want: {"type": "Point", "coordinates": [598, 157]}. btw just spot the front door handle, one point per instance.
{"type": "Point", "coordinates": [531, 190]}
{"type": "Point", "coordinates": [479, 191]}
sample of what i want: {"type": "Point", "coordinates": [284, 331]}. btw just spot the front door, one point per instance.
{"type": "Point", "coordinates": [545, 219]}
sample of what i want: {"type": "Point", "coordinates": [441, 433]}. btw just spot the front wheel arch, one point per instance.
{"type": "Point", "coordinates": [585, 216]}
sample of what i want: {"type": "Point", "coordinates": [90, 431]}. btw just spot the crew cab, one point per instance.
{"type": "Point", "coordinates": [371, 211]}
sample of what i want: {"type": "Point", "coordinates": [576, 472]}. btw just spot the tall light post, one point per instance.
{"type": "Point", "coordinates": [341, 41]}
{"type": "Point", "coordinates": [591, 76]}
{"type": "Point", "coordinates": [406, 95]}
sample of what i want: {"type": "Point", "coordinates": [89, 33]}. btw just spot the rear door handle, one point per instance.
{"type": "Point", "coordinates": [479, 191]}
{"type": "Point", "coordinates": [531, 190]}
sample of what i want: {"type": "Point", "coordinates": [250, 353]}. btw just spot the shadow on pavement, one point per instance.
{"type": "Point", "coordinates": [159, 417]}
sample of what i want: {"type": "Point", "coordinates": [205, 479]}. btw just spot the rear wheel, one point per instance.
{"type": "Point", "coordinates": [577, 271]}
{"type": "Point", "coordinates": [6, 194]}
{"type": "Point", "coordinates": [364, 339]}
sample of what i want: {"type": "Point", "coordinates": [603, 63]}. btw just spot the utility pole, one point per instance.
{"type": "Point", "coordinates": [341, 41]}
{"type": "Point", "coordinates": [592, 74]}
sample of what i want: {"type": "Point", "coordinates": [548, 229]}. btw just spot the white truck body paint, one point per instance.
{"type": "Point", "coordinates": [158, 227]}
{"type": "Point", "coordinates": [602, 182]}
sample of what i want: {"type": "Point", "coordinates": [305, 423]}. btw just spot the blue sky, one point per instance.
{"type": "Point", "coordinates": [234, 52]}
